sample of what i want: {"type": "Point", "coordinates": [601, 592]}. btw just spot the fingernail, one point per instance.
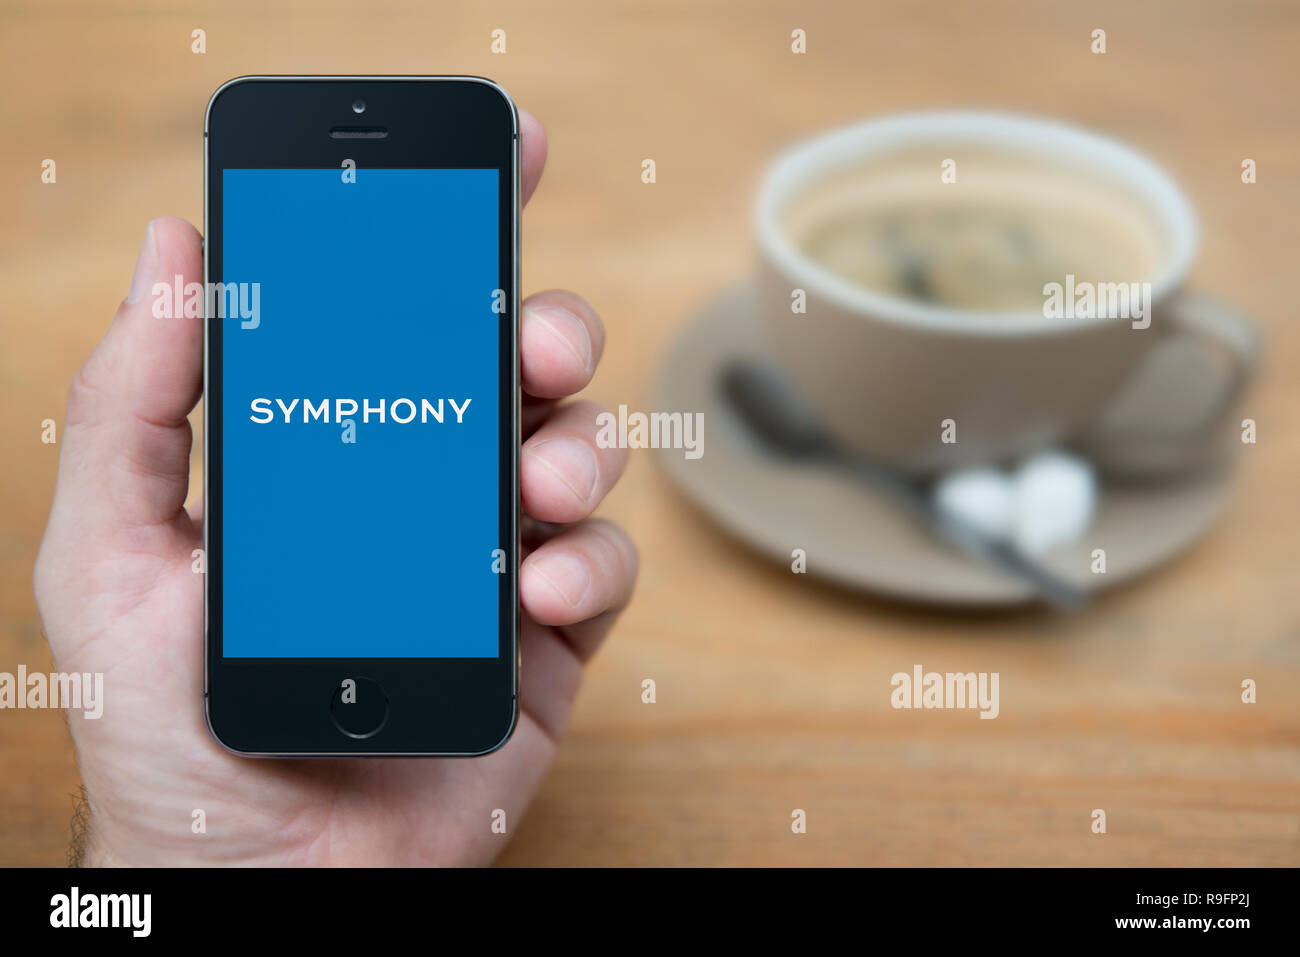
{"type": "Point", "coordinates": [569, 329]}
{"type": "Point", "coordinates": [566, 573]}
{"type": "Point", "coordinates": [572, 461]}
{"type": "Point", "coordinates": [146, 265]}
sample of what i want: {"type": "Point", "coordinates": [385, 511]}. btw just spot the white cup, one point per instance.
{"type": "Point", "coordinates": [885, 373]}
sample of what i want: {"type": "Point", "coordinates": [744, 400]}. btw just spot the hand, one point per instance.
{"type": "Point", "coordinates": [117, 595]}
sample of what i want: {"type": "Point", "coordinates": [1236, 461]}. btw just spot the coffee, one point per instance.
{"type": "Point", "coordinates": [989, 241]}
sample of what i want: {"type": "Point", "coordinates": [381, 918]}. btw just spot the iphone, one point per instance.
{"type": "Point", "coordinates": [361, 416]}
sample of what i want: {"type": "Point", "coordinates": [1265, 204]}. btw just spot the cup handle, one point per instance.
{"type": "Point", "coordinates": [1216, 326]}
{"type": "Point", "coordinates": [1221, 325]}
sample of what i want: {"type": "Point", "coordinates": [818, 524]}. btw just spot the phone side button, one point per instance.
{"type": "Point", "coordinates": [359, 707]}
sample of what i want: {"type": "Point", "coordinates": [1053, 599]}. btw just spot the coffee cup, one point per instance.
{"type": "Point", "coordinates": [949, 289]}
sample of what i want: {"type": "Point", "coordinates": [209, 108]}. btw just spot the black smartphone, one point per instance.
{"type": "Point", "coordinates": [361, 413]}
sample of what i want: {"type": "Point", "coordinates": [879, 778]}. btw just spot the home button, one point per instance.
{"type": "Point", "coordinates": [359, 707]}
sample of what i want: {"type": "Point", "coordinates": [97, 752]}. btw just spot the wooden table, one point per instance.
{"type": "Point", "coordinates": [772, 689]}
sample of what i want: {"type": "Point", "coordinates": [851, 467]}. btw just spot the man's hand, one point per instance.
{"type": "Point", "coordinates": [117, 595]}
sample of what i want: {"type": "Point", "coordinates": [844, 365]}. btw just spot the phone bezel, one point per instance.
{"type": "Point", "coordinates": [437, 706]}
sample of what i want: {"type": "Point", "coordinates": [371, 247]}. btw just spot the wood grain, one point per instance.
{"type": "Point", "coordinates": [773, 690]}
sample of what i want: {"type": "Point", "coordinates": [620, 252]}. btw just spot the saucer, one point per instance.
{"type": "Point", "coordinates": [852, 533]}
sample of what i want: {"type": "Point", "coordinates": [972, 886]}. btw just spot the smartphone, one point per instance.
{"type": "Point", "coordinates": [361, 416]}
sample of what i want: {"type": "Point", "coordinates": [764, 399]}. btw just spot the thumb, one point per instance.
{"type": "Point", "coordinates": [126, 449]}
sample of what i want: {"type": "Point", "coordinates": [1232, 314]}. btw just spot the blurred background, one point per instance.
{"type": "Point", "coordinates": [773, 688]}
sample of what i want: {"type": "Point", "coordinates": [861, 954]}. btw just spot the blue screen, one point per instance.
{"type": "Point", "coordinates": [378, 292]}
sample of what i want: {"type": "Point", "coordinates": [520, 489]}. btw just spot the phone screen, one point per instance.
{"type": "Point", "coordinates": [360, 405]}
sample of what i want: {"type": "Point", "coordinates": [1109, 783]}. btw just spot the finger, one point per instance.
{"type": "Point", "coordinates": [534, 534]}
{"type": "Point", "coordinates": [563, 473]}
{"type": "Point", "coordinates": [549, 679]}
{"type": "Point", "coordinates": [561, 339]}
{"type": "Point", "coordinates": [583, 572]}
{"type": "Point", "coordinates": [195, 512]}
{"type": "Point", "coordinates": [532, 144]}
{"type": "Point", "coordinates": [534, 412]}
{"type": "Point", "coordinates": [585, 637]}
{"type": "Point", "coordinates": [126, 452]}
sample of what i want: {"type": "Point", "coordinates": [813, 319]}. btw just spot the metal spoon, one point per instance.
{"type": "Point", "coordinates": [775, 415]}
